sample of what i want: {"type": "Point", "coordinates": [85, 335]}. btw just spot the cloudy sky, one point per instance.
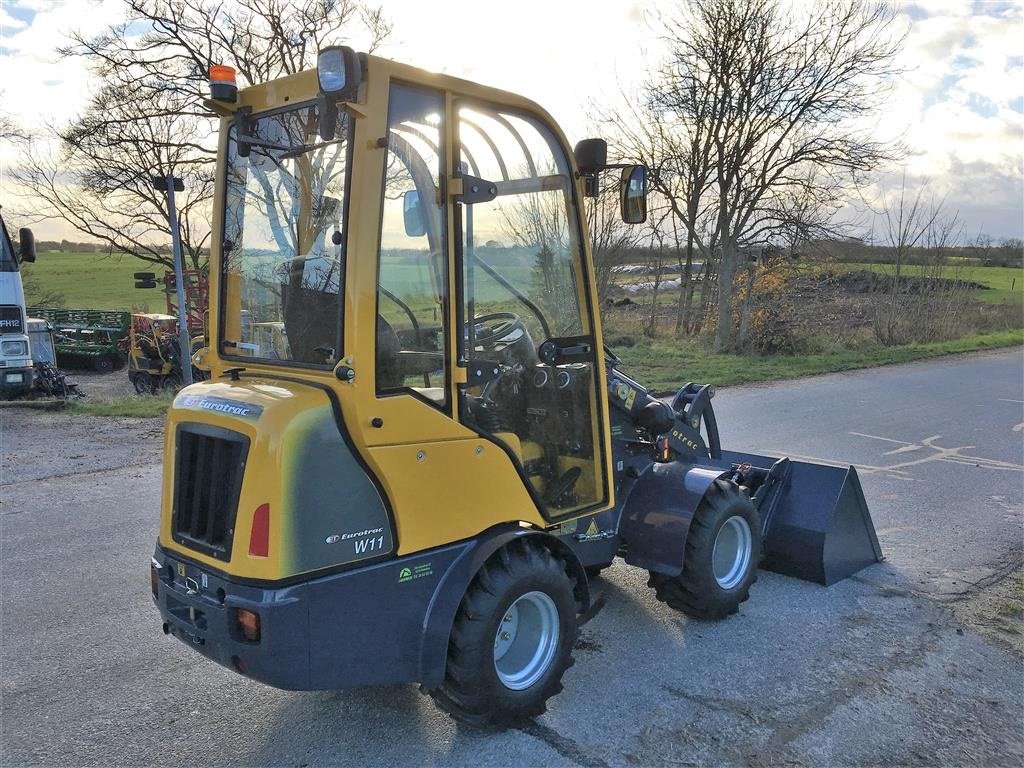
{"type": "Point", "coordinates": [959, 107]}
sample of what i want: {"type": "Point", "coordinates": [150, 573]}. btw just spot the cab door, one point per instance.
{"type": "Point", "coordinates": [444, 481]}
{"type": "Point", "coordinates": [527, 341]}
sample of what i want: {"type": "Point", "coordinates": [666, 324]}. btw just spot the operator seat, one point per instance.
{"type": "Point", "coordinates": [389, 375]}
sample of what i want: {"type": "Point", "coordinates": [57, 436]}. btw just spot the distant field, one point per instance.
{"type": "Point", "coordinates": [1004, 282]}
{"type": "Point", "coordinates": [92, 281]}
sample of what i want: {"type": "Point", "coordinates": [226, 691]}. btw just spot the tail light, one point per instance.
{"type": "Point", "coordinates": [248, 624]}
{"type": "Point", "coordinates": [154, 576]}
{"type": "Point", "coordinates": [259, 537]}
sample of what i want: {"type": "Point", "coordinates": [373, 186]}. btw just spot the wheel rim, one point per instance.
{"type": "Point", "coordinates": [731, 555]}
{"type": "Point", "coordinates": [526, 640]}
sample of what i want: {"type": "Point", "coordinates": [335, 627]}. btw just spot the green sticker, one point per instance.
{"type": "Point", "coordinates": [416, 572]}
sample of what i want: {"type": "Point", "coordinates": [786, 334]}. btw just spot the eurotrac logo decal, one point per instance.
{"type": "Point", "coordinates": [220, 405]}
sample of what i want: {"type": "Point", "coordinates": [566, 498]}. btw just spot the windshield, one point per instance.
{"type": "Point", "coordinates": [8, 263]}
{"type": "Point", "coordinates": [283, 251]}
{"type": "Point", "coordinates": [41, 345]}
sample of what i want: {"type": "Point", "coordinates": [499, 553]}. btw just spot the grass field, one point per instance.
{"type": "Point", "coordinates": [92, 281]}
{"type": "Point", "coordinates": [96, 281]}
{"type": "Point", "coordinates": [1004, 282]}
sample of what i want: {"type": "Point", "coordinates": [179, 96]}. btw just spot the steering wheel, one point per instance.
{"type": "Point", "coordinates": [507, 322]}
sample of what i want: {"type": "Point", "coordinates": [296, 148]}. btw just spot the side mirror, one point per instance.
{"type": "Point", "coordinates": [633, 194]}
{"type": "Point", "coordinates": [26, 245]}
{"type": "Point", "coordinates": [412, 213]}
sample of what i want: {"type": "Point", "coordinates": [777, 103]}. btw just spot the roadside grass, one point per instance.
{"type": "Point", "coordinates": [664, 365]}
{"type": "Point", "coordinates": [1007, 615]}
{"type": "Point", "coordinates": [135, 406]}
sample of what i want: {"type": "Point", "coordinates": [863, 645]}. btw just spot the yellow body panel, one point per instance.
{"type": "Point", "coordinates": [264, 468]}
{"type": "Point", "coordinates": [451, 490]}
{"type": "Point", "coordinates": [465, 484]}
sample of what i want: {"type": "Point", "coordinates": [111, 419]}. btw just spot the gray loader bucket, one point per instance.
{"type": "Point", "coordinates": [815, 521]}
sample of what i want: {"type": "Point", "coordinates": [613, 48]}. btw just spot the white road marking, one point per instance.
{"type": "Point", "coordinates": [1008, 400]}
{"type": "Point", "coordinates": [904, 449]}
{"type": "Point", "coordinates": [877, 437]}
{"type": "Point", "coordinates": [1019, 427]}
{"type": "Point", "coordinates": [900, 471]}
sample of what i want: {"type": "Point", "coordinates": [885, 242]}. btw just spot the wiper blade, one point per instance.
{"type": "Point", "coordinates": [287, 150]}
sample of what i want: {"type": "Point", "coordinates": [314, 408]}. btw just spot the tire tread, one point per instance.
{"type": "Point", "coordinates": [690, 592]}
{"type": "Point", "coordinates": [462, 694]}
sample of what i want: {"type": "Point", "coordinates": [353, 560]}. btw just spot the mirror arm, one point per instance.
{"type": "Point", "coordinates": [328, 114]}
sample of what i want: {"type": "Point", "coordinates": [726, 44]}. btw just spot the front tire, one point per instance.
{"type": "Point", "coordinates": [512, 639]}
{"type": "Point", "coordinates": [723, 549]}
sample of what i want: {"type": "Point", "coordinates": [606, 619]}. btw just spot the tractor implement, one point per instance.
{"type": "Point", "coordinates": [410, 456]}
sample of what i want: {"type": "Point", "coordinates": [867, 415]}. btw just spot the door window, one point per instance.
{"type": "Point", "coordinates": [412, 287]}
{"type": "Point", "coordinates": [523, 292]}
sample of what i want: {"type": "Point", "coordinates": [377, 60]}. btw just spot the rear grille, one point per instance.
{"type": "Point", "coordinates": [208, 467]}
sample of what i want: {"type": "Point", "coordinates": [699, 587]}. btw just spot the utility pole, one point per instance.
{"type": "Point", "coordinates": [171, 184]}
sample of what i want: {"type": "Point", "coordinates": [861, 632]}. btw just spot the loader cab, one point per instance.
{"type": "Point", "coordinates": [419, 246]}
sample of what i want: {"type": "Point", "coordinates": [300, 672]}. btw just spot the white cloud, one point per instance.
{"type": "Point", "coordinates": [8, 22]}
{"type": "Point", "coordinates": [49, 87]}
{"type": "Point", "coordinates": [958, 108]}
{"type": "Point", "coordinates": [958, 104]}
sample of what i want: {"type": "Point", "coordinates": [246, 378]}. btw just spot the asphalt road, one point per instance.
{"type": "Point", "coordinates": [889, 667]}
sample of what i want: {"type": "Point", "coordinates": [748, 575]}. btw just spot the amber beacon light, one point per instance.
{"type": "Point", "coordinates": [222, 83]}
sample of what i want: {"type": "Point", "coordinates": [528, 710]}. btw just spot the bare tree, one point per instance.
{"type": "Point", "coordinates": [9, 127]}
{"type": "Point", "coordinates": [147, 116]}
{"type": "Point", "coordinates": [99, 179]}
{"type": "Point", "coordinates": [759, 96]}
{"type": "Point", "coordinates": [909, 221]}
{"type": "Point", "coordinates": [680, 160]}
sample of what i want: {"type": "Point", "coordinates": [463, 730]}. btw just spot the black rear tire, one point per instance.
{"type": "Point", "coordinates": [697, 591]}
{"type": "Point", "coordinates": [473, 691]}
{"type": "Point", "coordinates": [142, 382]}
{"type": "Point", "coordinates": [170, 383]}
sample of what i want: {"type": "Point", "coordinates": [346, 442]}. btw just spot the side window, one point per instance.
{"type": "Point", "coordinates": [412, 277]}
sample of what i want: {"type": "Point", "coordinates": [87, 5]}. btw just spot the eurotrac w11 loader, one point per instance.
{"type": "Point", "coordinates": [420, 484]}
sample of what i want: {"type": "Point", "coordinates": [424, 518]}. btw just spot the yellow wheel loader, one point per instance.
{"type": "Point", "coordinates": [420, 483]}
